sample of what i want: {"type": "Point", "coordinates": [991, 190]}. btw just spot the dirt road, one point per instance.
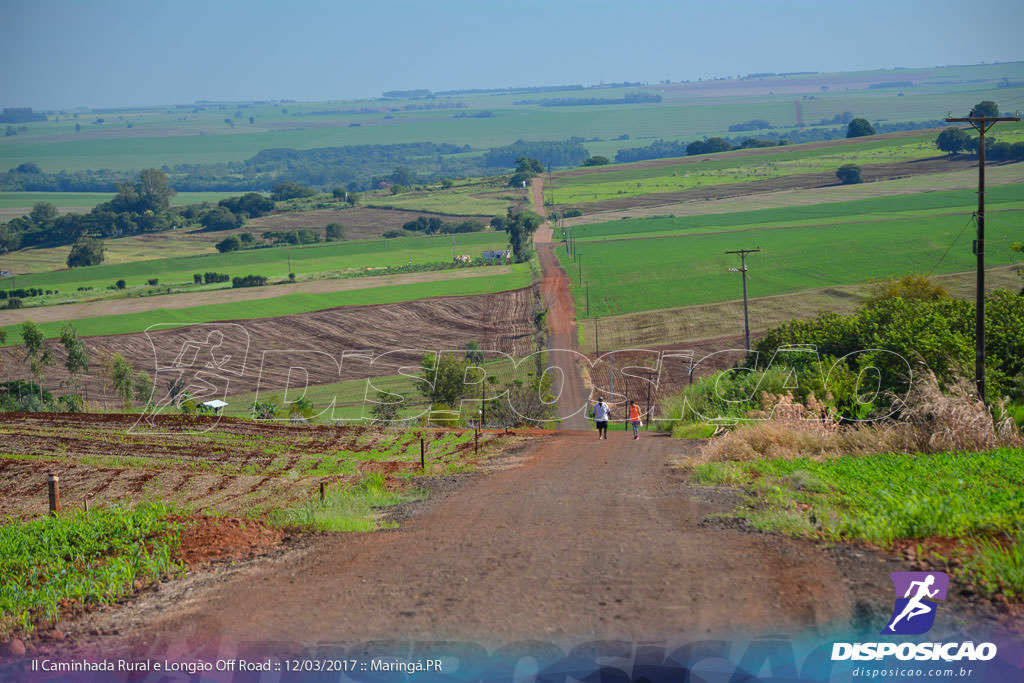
{"type": "Point", "coordinates": [562, 342]}
{"type": "Point", "coordinates": [584, 539]}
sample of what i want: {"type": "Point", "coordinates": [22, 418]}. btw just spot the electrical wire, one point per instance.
{"type": "Point", "coordinates": [952, 244]}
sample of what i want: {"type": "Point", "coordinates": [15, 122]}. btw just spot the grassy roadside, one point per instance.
{"type": "Point", "coordinates": [967, 504]}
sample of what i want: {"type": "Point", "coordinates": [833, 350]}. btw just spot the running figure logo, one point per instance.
{"type": "Point", "coordinates": [914, 612]}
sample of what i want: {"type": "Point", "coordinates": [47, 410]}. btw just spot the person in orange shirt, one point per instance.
{"type": "Point", "coordinates": [634, 418]}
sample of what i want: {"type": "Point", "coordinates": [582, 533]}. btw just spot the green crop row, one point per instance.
{"type": "Point", "coordinates": [90, 557]}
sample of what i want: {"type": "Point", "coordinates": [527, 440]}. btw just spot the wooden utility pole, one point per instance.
{"type": "Point", "coordinates": [743, 269]}
{"type": "Point", "coordinates": [980, 124]}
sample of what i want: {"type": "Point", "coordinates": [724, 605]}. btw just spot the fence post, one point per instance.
{"type": "Point", "coordinates": [423, 456]}
{"type": "Point", "coordinates": [53, 483]}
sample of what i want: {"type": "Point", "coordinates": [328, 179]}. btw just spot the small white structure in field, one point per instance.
{"type": "Point", "coordinates": [492, 255]}
{"type": "Point", "coordinates": [216, 405]}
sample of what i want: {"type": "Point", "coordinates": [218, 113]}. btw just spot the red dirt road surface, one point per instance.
{"type": "Point", "coordinates": [562, 344]}
{"type": "Point", "coordinates": [585, 539]}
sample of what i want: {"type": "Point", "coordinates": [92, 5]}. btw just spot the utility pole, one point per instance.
{"type": "Point", "coordinates": [743, 270]}
{"type": "Point", "coordinates": [579, 269]}
{"type": "Point", "coordinates": [980, 124]}
{"type": "Point", "coordinates": [588, 298]}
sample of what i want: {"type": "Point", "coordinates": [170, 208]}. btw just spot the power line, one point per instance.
{"type": "Point", "coordinates": [951, 244]}
{"type": "Point", "coordinates": [982, 124]}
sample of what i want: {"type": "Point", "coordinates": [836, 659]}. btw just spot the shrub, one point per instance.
{"type": "Point", "coordinates": [849, 174]}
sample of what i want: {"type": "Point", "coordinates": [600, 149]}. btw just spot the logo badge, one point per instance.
{"type": "Point", "coordinates": [916, 593]}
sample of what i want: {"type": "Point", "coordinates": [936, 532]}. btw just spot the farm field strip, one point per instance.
{"type": "Point", "coordinates": [716, 169]}
{"type": "Point", "coordinates": [1004, 201]}
{"type": "Point", "coordinates": [274, 262]}
{"type": "Point", "coordinates": [199, 296]}
{"type": "Point", "coordinates": [682, 325]}
{"type": "Point", "coordinates": [636, 275]}
{"type": "Point", "coordinates": [87, 200]}
{"type": "Point", "coordinates": [283, 305]}
{"type": "Point", "coordinates": [998, 175]}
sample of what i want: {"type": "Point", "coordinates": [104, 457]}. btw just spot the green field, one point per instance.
{"type": "Point", "coordinates": [198, 134]}
{"type": "Point", "coordinates": [87, 200]}
{"type": "Point", "coordinates": [643, 274]}
{"type": "Point", "coordinates": [1003, 198]}
{"type": "Point", "coordinates": [323, 260]}
{"type": "Point", "coordinates": [630, 180]}
{"type": "Point", "coordinates": [284, 305]}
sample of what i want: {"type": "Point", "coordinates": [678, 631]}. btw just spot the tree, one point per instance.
{"type": "Point", "coordinates": [229, 243]}
{"type": "Point", "coordinates": [527, 165]}
{"type": "Point", "coordinates": [120, 284]}
{"type": "Point", "coordinates": [402, 176]}
{"type": "Point", "coordinates": [78, 359]}
{"type": "Point", "coordinates": [43, 213]}
{"type": "Point", "coordinates": [121, 378]}
{"type": "Point", "coordinates": [385, 407]}
{"type": "Point", "coordinates": [849, 174]}
{"type": "Point", "coordinates": [335, 232]}
{"type": "Point", "coordinates": [86, 251]}
{"type": "Point", "coordinates": [520, 228]}
{"type": "Point", "coordinates": [289, 190]}
{"type": "Point", "coordinates": [952, 140]}
{"type": "Point", "coordinates": [153, 189]}
{"type": "Point", "coordinates": [220, 218]}
{"type": "Point", "coordinates": [596, 161]}
{"type": "Point", "coordinates": [37, 353]}
{"type": "Point", "coordinates": [986, 108]}
{"type": "Point", "coordinates": [446, 376]}
{"type": "Point", "coordinates": [859, 128]}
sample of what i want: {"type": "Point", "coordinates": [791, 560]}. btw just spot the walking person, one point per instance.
{"type": "Point", "coordinates": [634, 418]}
{"type": "Point", "coordinates": [601, 414]}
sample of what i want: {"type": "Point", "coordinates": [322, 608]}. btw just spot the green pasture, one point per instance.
{"type": "Point", "coordinates": [455, 201]}
{"type": "Point", "coordinates": [333, 258]}
{"type": "Point", "coordinates": [175, 135]}
{"type": "Point", "coordinates": [998, 199]}
{"type": "Point", "coordinates": [643, 274]}
{"type": "Point", "coordinates": [629, 180]}
{"type": "Point", "coordinates": [287, 304]}
{"type": "Point", "coordinates": [718, 169]}
{"type": "Point", "coordinates": [87, 200]}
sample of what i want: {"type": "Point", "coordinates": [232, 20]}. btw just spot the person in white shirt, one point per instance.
{"type": "Point", "coordinates": [601, 413]}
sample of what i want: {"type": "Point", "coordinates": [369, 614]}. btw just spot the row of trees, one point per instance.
{"type": "Point", "coordinates": [128, 385]}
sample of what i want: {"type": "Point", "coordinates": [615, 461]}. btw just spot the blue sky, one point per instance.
{"type": "Point", "coordinates": [65, 53]}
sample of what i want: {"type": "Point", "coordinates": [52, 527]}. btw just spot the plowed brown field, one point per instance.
{"type": "Point", "coordinates": [260, 352]}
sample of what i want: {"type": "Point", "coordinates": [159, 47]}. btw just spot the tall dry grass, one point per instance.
{"type": "Point", "coordinates": [929, 421]}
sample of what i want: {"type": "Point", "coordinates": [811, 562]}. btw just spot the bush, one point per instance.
{"type": "Point", "coordinates": [335, 232]}
{"type": "Point", "coordinates": [120, 284]}
{"type": "Point", "coordinates": [391, 234]}
{"type": "Point", "coordinates": [86, 251]}
{"type": "Point", "coordinates": [849, 174]}
{"type": "Point", "coordinates": [249, 281]}
{"type": "Point", "coordinates": [229, 243]}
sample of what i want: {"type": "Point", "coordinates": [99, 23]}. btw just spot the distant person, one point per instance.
{"type": "Point", "coordinates": [601, 413]}
{"type": "Point", "coordinates": [634, 418]}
